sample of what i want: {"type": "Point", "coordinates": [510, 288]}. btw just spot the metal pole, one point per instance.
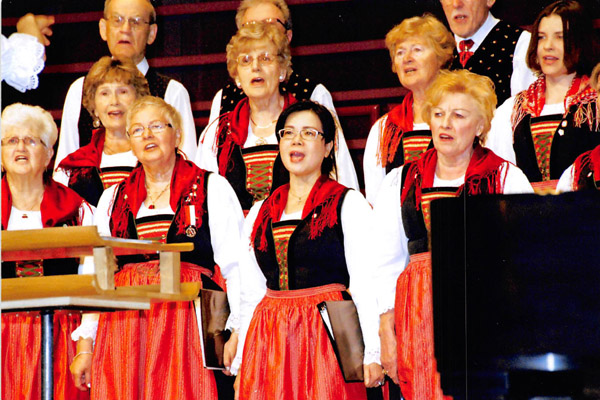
{"type": "Point", "coordinates": [47, 364]}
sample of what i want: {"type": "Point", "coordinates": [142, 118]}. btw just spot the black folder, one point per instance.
{"type": "Point", "coordinates": [343, 327]}
{"type": "Point", "coordinates": [212, 311]}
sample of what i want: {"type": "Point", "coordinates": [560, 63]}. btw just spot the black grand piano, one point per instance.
{"type": "Point", "coordinates": [516, 284]}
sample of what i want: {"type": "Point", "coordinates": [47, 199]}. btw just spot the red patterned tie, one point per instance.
{"type": "Point", "coordinates": [465, 54]}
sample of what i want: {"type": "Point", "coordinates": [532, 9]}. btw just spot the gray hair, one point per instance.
{"type": "Point", "coordinates": [18, 115]}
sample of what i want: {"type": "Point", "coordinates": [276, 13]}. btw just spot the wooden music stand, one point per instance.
{"type": "Point", "coordinates": [85, 292]}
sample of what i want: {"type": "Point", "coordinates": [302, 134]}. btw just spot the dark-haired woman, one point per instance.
{"type": "Point", "coordinates": [306, 243]}
{"type": "Point", "coordinates": [545, 128]}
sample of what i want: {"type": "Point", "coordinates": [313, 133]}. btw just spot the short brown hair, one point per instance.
{"type": "Point", "coordinates": [246, 4]}
{"type": "Point", "coordinates": [247, 36]}
{"type": "Point", "coordinates": [108, 70]}
{"type": "Point", "coordinates": [479, 88]}
{"type": "Point", "coordinates": [580, 43]}
{"type": "Point", "coordinates": [428, 28]}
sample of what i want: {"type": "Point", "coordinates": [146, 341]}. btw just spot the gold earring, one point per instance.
{"type": "Point", "coordinates": [96, 123]}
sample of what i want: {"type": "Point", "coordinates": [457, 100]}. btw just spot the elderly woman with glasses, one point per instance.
{"type": "Point", "coordinates": [459, 109]}
{"type": "Point", "coordinates": [241, 145]}
{"type": "Point", "coordinates": [156, 354]}
{"type": "Point", "coordinates": [419, 47]}
{"type": "Point", "coordinates": [306, 243]}
{"type": "Point", "coordinates": [108, 90]}
{"type": "Point", "coordinates": [31, 200]}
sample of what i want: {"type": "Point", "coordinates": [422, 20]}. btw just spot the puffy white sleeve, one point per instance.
{"type": "Point", "coordinates": [374, 172]}
{"type": "Point", "coordinates": [104, 210]}
{"type": "Point", "coordinates": [61, 176]}
{"type": "Point", "coordinates": [516, 181]}
{"type": "Point", "coordinates": [86, 218]}
{"type": "Point", "coordinates": [565, 183]}
{"type": "Point", "coordinates": [345, 166]}
{"type": "Point", "coordinates": [22, 61]}
{"type": "Point", "coordinates": [206, 155]}
{"type": "Point", "coordinates": [522, 76]}
{"type": "Point", "coordinates": [500, 136]}
{"type": "Point", "coordinates": [390, 255]}
{"type": "Point", "coordinates": [357, 226]}
{"type": "Point", "coordinates": [225, 224]}
{"type": "Point", "coordinates": [254, 285]}
{"type": "Point", "coordinates": [68, 140]}
{"type": "Point", "coordinates": [178, 96]}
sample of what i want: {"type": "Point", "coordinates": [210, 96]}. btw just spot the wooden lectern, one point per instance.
{"type": "Point", "coordinates": [85, 292]}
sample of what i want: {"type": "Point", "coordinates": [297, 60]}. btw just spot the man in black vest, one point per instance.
{"type": "Point", "coordinates": [277, 12]}
{"type": "Point", "coordinates": [488, 46]}
{"type": "Point", "coordinates": [127, 27]}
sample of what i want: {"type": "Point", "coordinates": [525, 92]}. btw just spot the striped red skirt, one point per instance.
{"type": "Point", "coordinates": [153, 354]}
{"type": "Point", "coordinates": [21, 356]}
{"type": "Point", "coordinates": [288, 355]}
{"type": "Point", "coordinates": [417, 369]}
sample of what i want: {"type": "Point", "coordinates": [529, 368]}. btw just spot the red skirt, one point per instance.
{"type": "Point", "coordinates": [152, 354]}
{"type": "Point", "coordinates": [21, 356]}
{"type": "Point", "coordinates": [417, 369]}
{"type": "Point", "coordinates": [288, 355]}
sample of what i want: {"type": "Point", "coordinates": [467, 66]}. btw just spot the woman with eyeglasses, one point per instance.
{"type": "Point", "coordinates": [545, 128]}
{"type": "Point", "coordinates": [156, 354]}
{"type": "Point", "coordinates": [32, 200]}
{"type": "Point", "coordinates": [109, 89]}
{"type": "Point", "coordinates": [306, 243]}
{"type": "Point", "coordinates": [241, 145]}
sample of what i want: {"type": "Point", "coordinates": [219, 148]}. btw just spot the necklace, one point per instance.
{"type": "Point", "coordinates": [299, 197]}
{"type": "Point", "coordinates": [154, 200]}
{"type": "Point", "coordinates": [262, 126]}
{"type": "Point", "coordinates": [24, 210]}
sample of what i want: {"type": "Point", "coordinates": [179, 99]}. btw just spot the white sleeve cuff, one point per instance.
{"type": "Point", "coordinates": [87, 329]}
{"type": "Point", "coordinates": [23, 62]}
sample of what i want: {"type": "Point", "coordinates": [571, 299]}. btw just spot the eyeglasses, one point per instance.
{"type": "Point", "coordinates": [135, 23]}
{"type": "Point", "coordinates": [285, 25]}
{"type": "Point", "coordinates": [306, 134]}
{"type": "Point", "coordinates": [28, 141]}
{"type": "Point", "coordinates": [246, 60]}
{"type": "Point", "coordinates": [156, 127]}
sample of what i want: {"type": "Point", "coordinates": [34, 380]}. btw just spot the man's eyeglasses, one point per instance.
{"type": "Point", "coordinates": [246, 60]}
{"type": "Point", "coordinates": [135, 23]}
{"type": "Point", "coordinates": [156, 127]}
{"type": "Point", "coordinates": [28, 141]}
{"type": "Point", "coordinates": [306, 134]}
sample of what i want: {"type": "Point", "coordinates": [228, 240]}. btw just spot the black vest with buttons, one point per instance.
{"type": "Point", "coordinates": [157, 84]}
{"type": "Point", "coordinates": [494, 58]}
{"type": "Point", "coordinates": [311, 263]}
{"type": "Point", "coordinates": [300, 87]}
{"type": "Point", "coordinates": [568, 143]}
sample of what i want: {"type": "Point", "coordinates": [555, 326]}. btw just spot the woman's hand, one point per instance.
{"type": "Point", "coordinates": [81, 367]}
{"type": "Point", "coordinates": [229, 352]}
{"type": "Point", "coordinates": [389, 351]}
{"type": "Point", "coordinates": [373, 375]}
{"type": "Point", "coordinates": [236, 387]}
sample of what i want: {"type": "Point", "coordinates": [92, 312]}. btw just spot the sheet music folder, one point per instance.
{"type": "Point", "coordinates": [343, 327]}
{"type": "Point", "coordinates": [212, 311]}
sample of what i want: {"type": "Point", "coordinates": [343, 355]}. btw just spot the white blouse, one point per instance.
{"type": "Point", "coordinates": [356, 225]}
{"type": "Point", "coordinates": [374, 172]}
{"type": "Point", "coordinates": [389, 255]}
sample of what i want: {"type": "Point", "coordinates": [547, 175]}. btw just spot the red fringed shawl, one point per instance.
{"type": "Point", "coordinates": [60, 205]}
{"type": "Point", "coordinates": [483, 171]}
{"type": "Point", "coordinates": [580, 93]}
{"type": "Point", "coordinates": [589, 160]}
{"type": "Point", "coordinates": [233, 129]}
{"type": "Point", "coordinates": [399, 120]}
{"type": "Point", "coordinates": [81, 162]}
{"type": "Point", "coordinates": [187, 188]}
{"type": "Point", "coordinates": [325, 193]}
